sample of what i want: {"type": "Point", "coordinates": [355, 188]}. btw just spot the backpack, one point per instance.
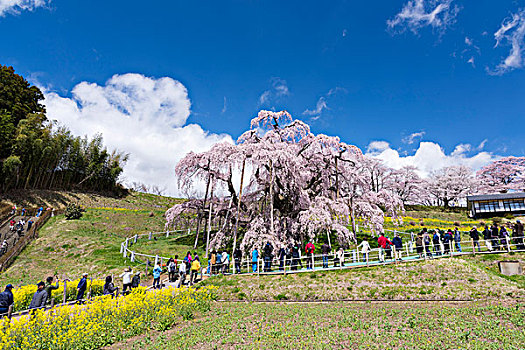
{"type": "Point", "coordinates": [173, 266]}
{"type": "Point", "coordinates": [135, 281]}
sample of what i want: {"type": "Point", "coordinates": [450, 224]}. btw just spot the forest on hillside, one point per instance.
{"type": "Point", "coordinates": [36, 152]}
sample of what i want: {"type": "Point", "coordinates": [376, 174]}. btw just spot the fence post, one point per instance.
{"type": "Point", "coordinates": [121, 247]}
{"type": "Point", "coordinates": [125, 249]}
{"type": "Point", "coordinates": [473, 246]}
{"type": "Point", "coordinates": [167, 233]}
{"type": "Point", "coordinates": [156, 260]}
{"type": "Point", "coordinates": [135, 238]}
{"type": "Point", "coordinates": [132, 258]}
{"type": "Point", "coordinates": [149, 235]}
{"type": "Point", "coordinates": [424, 249]}
{"type": "Point", "coordinates": [507, 239]}
{"type": "Point", "coordinates": [9, 311]}
{"type": "Point", "coordinates": [258, 266]}
{"type": "Point", "coordinates": [64, 298]}
{"type": "Point", "coordinates": [406, 245]}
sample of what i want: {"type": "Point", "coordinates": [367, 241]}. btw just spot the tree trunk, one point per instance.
{"type": "Point", "coordinates": [199, 216]}
{"type": "Point", "coordinates": [238, 213]}
{"type": "Point", "coordinates": [209, 222]}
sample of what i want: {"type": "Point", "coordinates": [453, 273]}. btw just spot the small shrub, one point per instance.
{"type": "Point", "coordinates": [457, 223]}
{"type": "Point", "coordinates": [241, 296]}
{"type": "Point", "coordinates": [235, 290]}
{"type": "Point", "coordinates": [472, 280]}
{"type": "Point", "coordinates": [73, 212]}
{"type": "Point", "coordinates": [412, 223]}
{"type": "Point", "coordinates": [280, 297]}
{"type": "Point", "coordinates": [349, 288]}
{"type": "Point", "coordinates": [313, 275]}
{"type": "Point", "coordinates": [261, 286]}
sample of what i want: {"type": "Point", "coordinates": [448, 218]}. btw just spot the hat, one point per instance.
{"type": "Point", "coordinates": [9, 286]}
{"type": "Point", "coordinates": [85, 274]}
{"type": "Point", "coordinates": [40, 284]}
{"type": "Point", "coordinates": [138, 273]}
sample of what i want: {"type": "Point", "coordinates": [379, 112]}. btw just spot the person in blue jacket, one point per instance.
{"type": "Point", "coordinates": [255, 257]}
{"type": "Point", "coordinates": [6, 299]}
{"type": "Point", "coordinates": [398, 243]}
{"type": "Point", "coordinates": [156, 276]}
{"type": "Point", "coordinates": [81, 287]}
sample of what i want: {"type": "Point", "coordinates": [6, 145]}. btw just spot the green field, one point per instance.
{"type": "Point", "coordinates": [357, 325]}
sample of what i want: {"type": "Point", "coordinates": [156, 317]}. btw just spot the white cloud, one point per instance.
{"type": "Point", "coordinates": [429, 156]}
{"type": "Point", "coordinates": [416, 14]}
{"type": "Point", "coordinates": [511, 32]}
{"type": "Point", "coordinates": [471, 61]}
{"type": "Point", "coordinates": [345, 32]}
{"type": "Point", "coordinates": [410, 139]}
{"type": "Point", "coordinates": [143, 116]}
{"type": "Point", "coordinates": [376, 147]}
{"type": "Point", "coordinates": [16, 6]}
{"type": "Point", "coordinates": [278, 89]}
{"type": "Point", "coordinates": [319, 107]}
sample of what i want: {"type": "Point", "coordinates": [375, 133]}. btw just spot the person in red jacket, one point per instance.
{"type": "Point", "coordinates": [310, 248]}
{"type": "Point", "coordinates": [384, 244]}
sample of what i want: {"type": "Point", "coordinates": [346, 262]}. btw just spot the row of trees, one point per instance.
{"type": "Point", "coordinates": [301, 185]}
{"type": "Point", "coordinates": [450, 185]}
{"type": "Point", "coordinates": [36, 153]}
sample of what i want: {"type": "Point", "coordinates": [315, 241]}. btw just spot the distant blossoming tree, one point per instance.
{"type": "Point", "coordinates": [409, 186]}
{"type": "Point", "coordinates": [300, 185]}
{"type": "Point", "coordinates": [502, 175]}
{"type": "Point", "coordinates": [451, 184]}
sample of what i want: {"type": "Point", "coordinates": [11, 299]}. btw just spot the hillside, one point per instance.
{"type": "Point", "coordinates": [91, 243]}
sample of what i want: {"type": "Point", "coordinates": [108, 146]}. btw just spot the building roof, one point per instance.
{"type": "Point", "coordinates": [496, 196]}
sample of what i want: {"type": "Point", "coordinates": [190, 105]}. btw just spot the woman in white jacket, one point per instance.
{"type": "Point", "coordinates": [365, 249]}
{"type": "Point", "coordinates": [127, 276]}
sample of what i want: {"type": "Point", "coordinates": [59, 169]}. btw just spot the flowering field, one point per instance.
{"type": "Point", "coordinates": [349, 326]}
{"type": "Point", "coordinates": [23, 294]}
{"type": "Point", "coordinates": [104, 320]}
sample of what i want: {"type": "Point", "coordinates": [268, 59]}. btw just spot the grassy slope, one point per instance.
{"type": "Point", "coordinates": [346, 326]}
{"type": "Point", "coordinates": [455, 278]}
{"type": "Point", "coordinates": [90, 244]}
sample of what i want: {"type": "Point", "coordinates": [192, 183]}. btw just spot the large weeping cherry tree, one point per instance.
{"type": "Point", "coordinates": [298, 186]}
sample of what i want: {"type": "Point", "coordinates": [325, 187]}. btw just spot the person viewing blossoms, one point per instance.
{"type": "Point", "coordinates": [182, 275]}
{"type": "Point", "coordinates": [39, 298]}
{"type": "Point", "coordinates": [194, 271]}
{"type": "Point", "coordinates": [255, 257]}
{"type": "Point", "coordinates": [127, 275]}
{"type": "Point", "coordinates": [474, 235]}
{"type": "Point", "coordinates": [494, 236]}
{"type": "Point", "coordinates": [237, 257]}
{"type": "Point", "coordinates": [135, 282]}
{"type": "Point", "coordinates": [325, 250]}
{"type": "Point", "coordinates": [267, 257]}
{"type": "Point", "coordinates": [457, 239]}
{"type": "Point", "coordinates": [383, 242]}
{"type": "Point", "coordinates": [282, 257]}
{"type": "Point", "coordinates": [156, 276]}
{"type": "Point", "coordinates": [436, 240]}
{"type": "Point", "coordinates": [398, 244]}
{"type": "Point", "coordinates": [309, 249]}
{"type": "Point", "coordinates": [487, 237]}
{"type": "Point", "coordinates": [225, 261]}
{"type": "Point", "coordinates": [109, 288]}
{"type": "Point", "coordinates": [6, 299]}
{"type": "Point", "coordinates": [172, 268]}
{"type": "Point", "coordinates": [49, 288]}
{"type": "Point", "coordinates": [81, 287]}
{"type": "Point", "coordinates": [365, 249]}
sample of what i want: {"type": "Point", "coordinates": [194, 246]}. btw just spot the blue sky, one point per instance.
{"type": "Point", "coordinates": [335, 64]}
